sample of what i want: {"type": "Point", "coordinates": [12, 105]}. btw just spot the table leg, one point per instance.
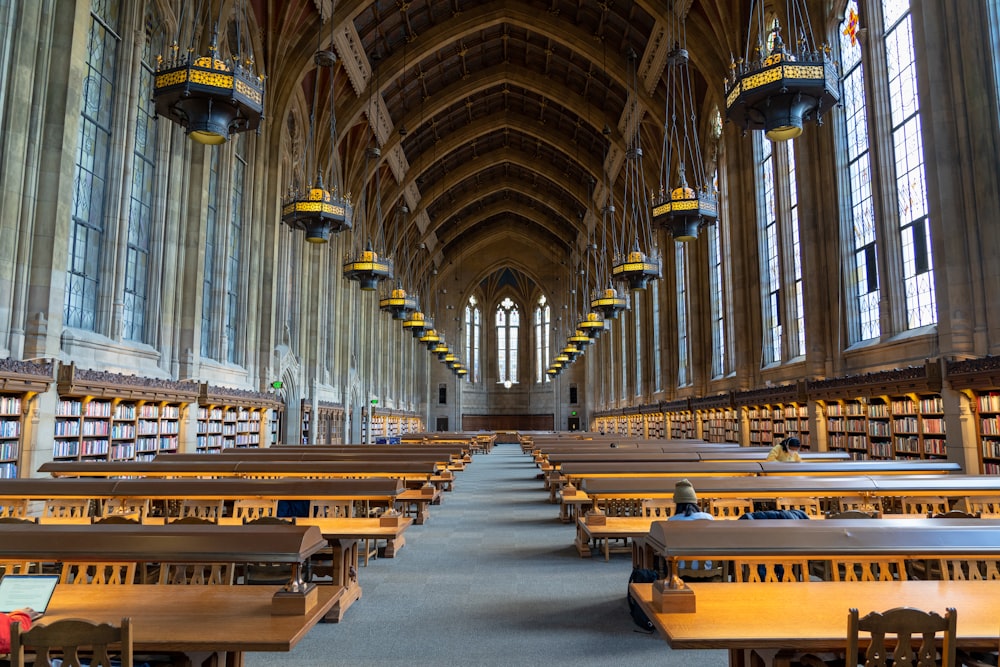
{"type": "Point", "coordinates": [582, 543]}
{"type": "Point", "coordinates": [392, 545]}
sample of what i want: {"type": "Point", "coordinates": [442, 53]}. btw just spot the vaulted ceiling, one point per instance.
{"type": "Point", "coordinates": [493, 117]}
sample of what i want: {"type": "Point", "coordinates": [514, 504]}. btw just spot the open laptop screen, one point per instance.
{"type": "Point", "coordinates": [20, 591]}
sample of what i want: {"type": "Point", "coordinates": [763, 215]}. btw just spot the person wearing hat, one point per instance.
{"type": "Point", "coordinates": [686, 503]}
{"type": "Point", "coordinates": [786, 451]}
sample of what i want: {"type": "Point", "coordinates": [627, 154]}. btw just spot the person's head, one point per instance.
{"type": "Point", "coordinates": [791, 444]}
{"type": "Point", "coordinates": [684, 493]}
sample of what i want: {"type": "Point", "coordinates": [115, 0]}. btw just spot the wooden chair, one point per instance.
{"type": "Point", "coordinates": [955, 514]}
{"type": "Point", "coordinates": [767, 570]}
{"type": "Point", "coordinates": [808, 505]}
{"type": "Point", "coordinates": [868, 569]}
{"type": "Point", "coordinates": [267, 574]}
{"type": "Point", "coordinates": [109, 573]}
{"type": "Point", "coordinates": [925, 505]}
{"type": "Point", "coordinates": [334, 509]}
{"type": "Point", "coordinates": [202, 509]}
{"type": "Point", "coordinates": [969, 569]}
{"type": "Point", "coordinates": [984, 506]}
{"type": "Point", "coordinates": [14, 567]}
{"type": "Point", "coordinates": [197, 574]}
{"type": "Point", "coordinates": [859, 502]}
{"type": "Point", "coordinates": [132, 508]}
{"type": "Point", "coordinates": [854, 514]}
{"type": "Point", "coordinates": [15, 509]}
{"type": "Point", "coordinates": [115, 518]}
{"type": "Point", "coordinates": [251, 509]}
{"type": "Point", "coordinates": [906, 624]}
{"type": "Point", "coordinates": [66, 509]}
{"type": "Point", "coordinates": [622, 507]}
{"type": "Point", "coordinates": [729, 508]}
{"type": "Point", "coordinates": [658, 508]}
{"type": "Point", "coordinates": [330, 509]}
{"type": "Point", "coordinates": [65, 638]}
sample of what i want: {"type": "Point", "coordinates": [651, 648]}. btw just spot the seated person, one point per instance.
{"type": "Point", "coordinates": [686, 503]}
{"type": "Point", "coordinates": [686, 509]}
{"type": "Point", "coordinates": [22, 616]}
{"type": "Point", "coordinates": [786, 451]}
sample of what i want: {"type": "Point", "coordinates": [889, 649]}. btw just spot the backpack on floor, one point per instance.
{"type": "Point", "coordinates": [640, 575]}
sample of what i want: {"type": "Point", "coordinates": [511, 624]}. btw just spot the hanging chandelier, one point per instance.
{"type": "Point", "coordinates": [317, 211]}
{"type": "Point", "coordinates": [776, 89]}
{"type": "Point", "coordinates": [430, 338]}
{"type": "Point", "coordinates": [365, 266]}
{"type": "Point", "coordinates": [417, 324]}
{"type": "Point", "coordinates": [579, 339]}
{"type": "Point", "coordinates": [365, 263]}
{"type": "Point", "coordinates": [607, 300]}
{"type": "Point", "coordinates": [592, 325]}
{"type": "Point", "coordinates": [216, 95]}
{"type": "Point", "coordinates": [395, 300]}
{"type": "Point", "coordinates": [441, 349]}
{"type": "Point", "coordinates": [636, 259]}
{"type": "Point", "coordinates": [571, 351]}
{"type": "Point", "coordinates": [681, 208]}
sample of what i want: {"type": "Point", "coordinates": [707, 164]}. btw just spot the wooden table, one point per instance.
{"type": "Point", "coordinates": [416, 503]}
{"type": "Point", "coordinates": [343, 534]}
{"type": "Point", "coordinates": [629, 528]}
{"type": "Point", "coordinates": [356, 528]}
{"type": "Point", "coordinates": [813, 616]}
{"type": "Point", "coordinates": [194, 620]}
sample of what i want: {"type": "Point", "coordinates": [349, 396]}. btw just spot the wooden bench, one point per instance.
{"type": "Point", "coordinates": [174, 543]}
{"type": "Point", "coordinates": [914, 541]}
{"type": "Point", "coordinates": [886, 490]}
{"type": "Point", "coordinates": [413, 474]}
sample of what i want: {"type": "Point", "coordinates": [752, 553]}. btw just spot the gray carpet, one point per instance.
{"type": "Point", "coordinates": [491, 579]}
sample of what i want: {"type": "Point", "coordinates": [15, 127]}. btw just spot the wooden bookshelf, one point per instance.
{"type": "Point", "coordinates": [308, 433]}
{"type": "Point", "coordinates": [103, 416]}
{"type": "Point", "coordinates": [795, 418]}
{"type": "Point", "coordinates": [680, 418]}
{"type": "Point", "coordinates": [895, 414]}
{"type": "Point", "coordinates": [20, 383]}
{"type": "Point", "coordinates": [847, 427]}
{"type": "Point", "coordinates": [773, 413]}
{"type": "Point", "coordinates": [979, 382]}
{"type": "Point", "coordinates": [230, 418]}
{"type": "Point", "coordinates": [717, 417]}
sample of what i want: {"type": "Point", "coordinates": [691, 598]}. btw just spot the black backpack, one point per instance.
{"type": "Point", "coordinates": [640, 575]}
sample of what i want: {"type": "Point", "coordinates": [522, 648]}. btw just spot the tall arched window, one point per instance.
{"type": "Point", "coordinates": [863, 273]}
{"type": "Point", "coordinates": [543, 330]}
{"type": "Point", "coordinates": [140, 223]}
{"type": "Point", "coordinates": [93, 163]}
{"type": "Point", "coordinates": [781, 268]}
{"type": "Point", "coordinates": [683, 352]}
{"type": "Point", "coordinates": [911, 182]}
{"type": "Point", "coordinates": [234, 255]}
{"type": "Point", "coordinates": [473, 333]}
{"type": "Point", "coordinates": [507, 321]}
{"type": "Point", "coordinates": [654, 293]}
{"type": "Point", "coordinates": [209, 348]}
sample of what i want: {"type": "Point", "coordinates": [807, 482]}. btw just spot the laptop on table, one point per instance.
{"type": "Point", "coordinates": [27, 591]}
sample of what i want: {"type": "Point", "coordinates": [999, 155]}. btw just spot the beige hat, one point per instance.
{"type": "Point", "coordinates": [684, 493]}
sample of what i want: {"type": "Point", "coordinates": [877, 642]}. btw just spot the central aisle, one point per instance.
{"type": "Point", "coordinates": [491, 579]}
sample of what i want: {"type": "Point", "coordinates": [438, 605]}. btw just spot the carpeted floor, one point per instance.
{"type": "Point", "coordinates": [491, 579]}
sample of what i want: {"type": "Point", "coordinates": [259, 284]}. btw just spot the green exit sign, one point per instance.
{"type": "Point", "coordinates": [374, 401]}
{"type": "Point", "coordinates": [277, 384]}
{"type": "Point", "coordinates": [573, 413]}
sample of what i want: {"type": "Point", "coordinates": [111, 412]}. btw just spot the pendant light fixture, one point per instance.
{"type": "Point", "coordinates": [215, 95]}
